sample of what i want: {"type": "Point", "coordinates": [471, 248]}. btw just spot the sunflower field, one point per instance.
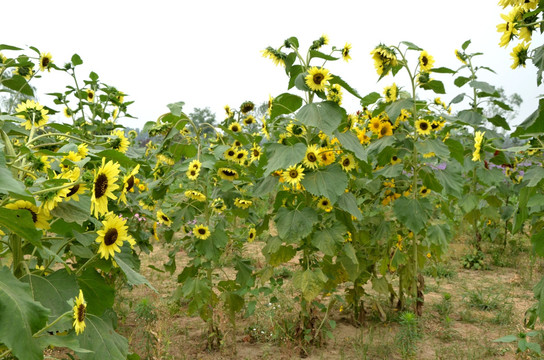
{"type": "Point", "coordinates": [358, 205]}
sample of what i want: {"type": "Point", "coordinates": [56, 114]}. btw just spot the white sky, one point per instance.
{"type": "Point", "coordinates": [207, 53]}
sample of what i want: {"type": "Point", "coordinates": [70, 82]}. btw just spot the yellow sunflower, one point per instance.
{"type": "Point", "coordinates": [241, 156]}
{"type": "Point", "coordinates": [45, 61]}
{"type": "Point", "coordinates": [77, 189]}
{"type": "Point", "coordinates": [235, 127]}
{"type": "Point", "coordinates": [103, 187]}
{"type": "Point", "coordinates": [82, 150]}
{"type": "Point", "coordinates": [362, 136]}
{"type": "Point", "coordinates": [375, 125]}
{"type": "Point", "coordinates": [423, 127]}
{"type": "Point", "coordinates": [163, 218]}
{"type": "Point", "coordinates": [72, 157]}
{"type": "Point", "coordinates": [230, 154]}
{"type": "Point", "coordinates": [390, 93]}
{"type": "Point", "coordinates": [317, 78]}
{"type": "Point", "coordinates": [243, 204]}
{"type": "Point", "coordinates": [43, 163]}
{"type": "Point", "coordinates": [129, 180]}
{"type": "Point", "coordinates": [395, 160]}
{"type": "Point", "coordinates": [195, 195]}
{"type": "Point", "coordinates": [218, 205]}
{"type": "Point", "coordinates": [90, 95]}
{"type": "Point", "coordinates": [251, 235]}
{"type": "Point", "coordinates": [38, 216]}
{"type": "Point", "coordinates": [345, 52]}
{"type": "Point", "coordinates": [120, 142]}
{"type": "Point", "coordinates": [202, 232]}
{"type": "Point", "coordinates": [384, 59]}
{"type": "Point", "coordinates": [51, 199]}
{"type": "Point", "coordinates": [324, 204]}
{"type": "Point", "coordinates": [326, 156]}
{"type": "Point", "coordinates": [34, 114]}
{"type": "Point", "coordinates": [293, 175]}
{"type": "Point", "coordinates": [227, 174]}
{"type": "Point", "coordinates": [24, 71]}
{"type": "Point", "coordinates": [250, 119]}
{"type": "Point", "coordinates": [520, 55]}
{"type": "Point", "coordinates": [311, 158]}
{"type": "Point", "coordinates": [192, 174]}
{"type": "Point", "coordinates": [80, 309]}
{"type": "Point", "coordinates": [347, 162]}
{"type": "Point", "coordinates": [426, 62]}
{"type": "Point", "coordinates": [334, 93]}
{"type": "Point", "coordinates": [508, 29]}
{"type": "Point", "coordinates": [424, 191]}
{"type": "Point", "coordinates": [256, 152]}
{"type": "Point", "coordinates": [385, 130]}
{"type": "Point", "coordinates": [112, 235]}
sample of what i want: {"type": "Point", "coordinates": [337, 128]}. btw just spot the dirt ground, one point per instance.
{"type": "Point", "coordinates": [483, 305]}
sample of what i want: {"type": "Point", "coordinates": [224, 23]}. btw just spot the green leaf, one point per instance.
{"type": "Point", "coordinates": [537, 240]}
{"type": "Point", "coordinates": [73, 211]}
{"type": "Point", "coordinates": [502, 105]}
{"type": "Point", "coordinates": [294, 225]}
{"type": "Point", "coordinates": [466, 44]}
{"type": "Point", "coordinates": [21, 317]}
{"type": "Point", "coordinates": [8, 47]}
{"type": "Point", "coordinates": [457, 151]}
{"type": "Point", "coordinates": [309, 282]}
{"type": "Point", "coordinates": [348, 203]}
{"type": "Point", "coordinates": [329, 182]}
{"type": "Point", "coordinates": [538, 61]}
{"type": "Point", "coordinates": [121, 158]}
{"type": "Point", "coordinates": [325, 116]}
{"type": "Point", "coordinates": [498, 120]}
{"type": "Point", "coordinates": [434, 145]}
{"type": "Point", "coordinates": [282, 156]}
{"type": "Point", "coordinates": [350, 142]}
{"type": "Point", "coordinates": [483, 86]}
{"type": "Point", "coordinates": [133, 277]}
{"type": "Point", "coordinates": [390, 171]}
{"type": "Point", "coordinates": [471, 117]}
{"type": "Point", "coordinates": [434, 85]}
{"type": "Point", "coordinates": [411, 46]}
{"type": "Point", "coordinates": [506, 339]}
{"type": "Point", "coordinates": [76, 60]}
{"type": "Point", "coordinates": [285, 104]}
{"type": "Point", "coordinates": [338, 80]}
{"type": "Point", "coordinates": [70, 341]}
{"type": "Point", "coordinates": [19, 84]}
{"type": "Point", "coordinates": [534, 175]}
{"type": "Point", "coordinates": [534, 124]}
{"type": "Point", "coordinates": [282, 255]}
{"type": "Point", "coordinates": [10, 184]}
{"type": "Point", "coordinates": [266, 186]}
{"type": "Point", "coordinates": [451, 179]}
{"type": "Point", "coordinates": [370, 99]}
{"type": "Point", "coordinates": [319, 54]}
{"type": "Point", "coordinates": [460, 81]}
{"type": "Point", "coordinates": [53, 292]}
{"type": "Point", "coordinates": [176, 108]}
{"type": "Point", "coordinates": [443, 70]}
{"type": "Point", "coordinates": [458, 98]}
{"type": "Point", "coordinates": [100, 338]}
{"type": "Point", "coordinates": [20, 222]}
{"type": "Point", "coordinates": [349, 251]}
{"type": "Point", "coordinates": [413, 213]}
{"type": "Point", "coordinates": [98, 294]}
{"type": "Point", "coordinates": [393, 110]}
{"type": "Point", "coordinates": [326, 240]}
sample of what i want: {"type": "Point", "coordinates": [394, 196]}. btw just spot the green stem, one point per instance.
{"type": "Point", "coordinates": [50, 325]}
{"type": "Point", "coordinates": [58, 134]}
{"type": "Point", "coordinates": [56, 188]}
{"type": "Point", "coordinates": [80, 270]}
{"type": "Point", "coordinates": [15, 244]}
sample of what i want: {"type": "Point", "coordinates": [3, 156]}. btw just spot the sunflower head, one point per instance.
{"type": "Point", "coordinates": [385, 59]}
{"type": "Point", "coordinates": [202, 232]}
{"type": "Point", "coordinates": [345, 52]}
{"type": "Point", "coordinates": [293, 175]}
{"type": "Point", "coordinates": [90, 95]}
{"type": "Point", "coordinates": [246, 107]}
{"type": "Point", "coordinates": [426, 61]}
{"type": "Point", "coordinates": [46, 60]}
{"type": "Point", "coordinates": [423, 127]}
{"type": "Point", "coordinates": [324, 204]}
{"type": "Point", "coordinates": [235, 127]}
{"type": "Point", "coordinates": [34, 114]}
{"type": "Point", "coordinates": [251, 235]}
{"type": "Point", "coordinates": [80, 310]}
{"type": "Point", "coordinates": [317, 78]}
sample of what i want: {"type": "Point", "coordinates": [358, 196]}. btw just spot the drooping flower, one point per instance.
{"type": "Point", "coordinates": [276, 56]}
{"type": "Point", "coordinates": [82, 150]}
{"type": "Point", "coordinates": [246, 107]}
{"type": "Point", "coordinates": [45, 61]}
{"type": "Point", "coordinates": [80, 310]}
{"type": "Point", "coordinates": [227, 174]}
{"type": "Point", "coordinates": [461, 56]}
{"type": "Point", "coordinates": [519, 54]}
{"type": "Point", "coordinates": [201, 231]}
{"type": "Point", "coordinates": [195, 195]}
{"type": "Point", "coordinates": [293, 175]}
{"type": "Point", "coordinates": [218, 205]}
{"type": "Point", "coordinates": [345, 52]}
{"type": "Point", "coordinates": [120, 142]}
{"type": "Point", "coordinates": [426, 61]}
{"type": "Point", "coordinates": [34, 114]}
{"type": "Point", "coordinates": [362, 136]}
{"type": "Point", "coordinates": [103, 187]}
{"type": "Point", "coordinates": [384, 59]}
{"type": "Point", "coordinates": [163, 218]}
{"type": "Point", "coordinates": [390, 93]}
{"type": "Point", "coordinates": [243, 204]}
{"type": "Point", "coordinates": [334, 93]}
{"type": "Point", "coordinates": [129, 180]}
{"type": "Point", "coordinates": [112, 235]}
{"type": "Point", "coordinates": [24, 71]}
{"type": "Point", "coordinates": [508, 29]}
{"type": "Point", "coordinates": [317, 78]}
{"type": "Point", "coordinates": [478, 138]}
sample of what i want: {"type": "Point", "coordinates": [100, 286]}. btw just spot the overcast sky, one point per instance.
{"type": "Point", "coordinates": [207, 53]}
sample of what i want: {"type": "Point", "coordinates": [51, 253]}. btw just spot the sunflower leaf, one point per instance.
{"type": "Point", "coordinates": [350, 142]}
{"type": "Point", "coordinates": [21, 316]}
{"type": "Point", "coordinates": [20, 222]}
{"type": "Point", "coordinates": [285, 104]}
{"type": "Point", "coordinates": [133, 277]}
{"type": "Point", "coordinates": [282, 156]}
{"type": "Point", "coordinates": [100, 337]}
{"type": "Point", "coordinates": [434, 85]}
{"type": "Point", "coordinates": [18, 84]}
{"type": "Point", "coordinates": [413, 213]}
{"type": "Point", "coordinates": [338, 80]}
{"type": "Point", "coordinates": [325, 116]}
{"type": "Point", "coordinates": [329, 182]}
{"type": "Point", "coordinates": [310, 282]}
{"type": "Point", "coordinates": [411, 46]}
{"type": "Point", "coordinates": [370, 98]}
{"type": "Point", "coordinates": [98, 294]}
{"type": "Point", "coordinates": [319, 54]}
{"type": "Point", "coordinates": [326, 240]}
{"type": "Point", "coordinates": [294, 225]}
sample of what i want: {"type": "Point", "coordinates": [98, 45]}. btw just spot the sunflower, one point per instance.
{"type": "Point", "coordinates": [218, 205]}
{"type": "Point", "coordinates": [256, 152]}
{"type": "Point", "coordinates": [195, 195]}
{"type": "Point", "coordinates": [90, 95]}
{"type": "Point", "coordinates": [235, 127]}
{"type": "Point", "coordinates": [264, 129]}
{"type": "Point", "coordinates": [67, 112]}
{"type": "Point", "coordinates": [77, 189]}
{"type": "Point", "coordinates": [390, 93]}
{"type": "Point", "coordinates": [34, 114]}
{"type": "Point", "coordinates": [165, 159]}
{"type": "Point", "coordinates": [3, 59]}
{"type": "Point", "coordinates": [80, 309]}
{"type": "Point", "coordinates": [334, 93]}
{"type": "Point", "coordinates": [24, 71]}
{"type": "Point", "coordinates": [385, 130]}
{"type": "Point", "coordinates": [270, 103]}
{"type": "Point", "coordinates": [45, 61]}
{"type": "Point", "coordinates": [250, 119]}
{"type": "Point", "coordinates": [103, 187]}
{"type": "Point", "coordinates": [384, 59]}
{"type": "Point", "coordinates": [192, 174]}
{"type": "Point", "coordinates": [228, 111]}
{"type": "Point", "coordinates": [236, 144]}
{"type": "Point", "coordinates": [345, 52]}
{"type": "Point", "coordinates": [375, 125]}
{"type": "Point", "coordinates": [508, 29]}
{"type": "Point", "coordinates": [275, 55]}
{"type": "Point", "coordinates": [241, 156]}
{"type": "Point", "coordinates": [43, 163]}
{"type": "Point", "coordinates": [423, 127]}
{"type": "Point", "coordinates": [519, 54]}
{"type": "Point", "coordinates": [426, 61]}
{"type": "Point", "coordinates": [362, 136]}
{"type": "Point", "coordinates": [347, 162]}
{"type": "Point", "coordinates": [293, 175]}
{"type": "Point", "coordinates": [251, 235]}
{"type": "Point", "coordinates": [243, 204]}
{"type": "Point", "coordinates": [326, 156]}
{"type": "Point", "coordinates": [311, 158]}
{"type": "Point", "coordinates": [317, 78]}
{"type": "Point", "coordinates": [424, 191]}
{"type": "Point", "coordinates": [38, 216]}
{"type": "Point", "coordinates": [295, 129]}
{"type": "Point", "coordinates": [120, 143]}
{"type": "Point", "coordinates": [230, 154]}
{"type": "Point", "coordinates": [129, 180]}
{"type": "Point", "coordinates": [112, 235]}
{"type": "Point", "coordinates": [395, 160]}
{"type": "Point", "coordinates": [202, 232]}
{"type": "Point", "coordinates": [163, 218]}
{"type": "Point", "coordinates": [148, 203]}
{"type": "Point", "coordinates": [51, 199]}
{"type": "Point", "coordinates": [478, 138]}
{"type": "Point", "coordinates": [246, 107]}
{"type": "Point", "coordinates": [227, 174]}
{"type": "Point", "coordinates": [324, 204]}
{"type": "Point", "coordinates": [72, 157]}
{"type": "Point", "coordinates": [461, 56]}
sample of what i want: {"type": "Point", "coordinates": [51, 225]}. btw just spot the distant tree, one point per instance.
{"type": "Point", "coordinates": [201, 117]}
{"type": "Point", "coordinates": [513, 101]}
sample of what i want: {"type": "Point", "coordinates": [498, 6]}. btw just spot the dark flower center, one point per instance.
{"type": "Point", "coordinates": [130, 183]}
{"type": "Point", "coordinates": [231, 153]}
{"type": "Point", "coordinates": [394, 158]}
{"type": "Point", "coordinates": [240, 155]}
{"type": "Point", "coordinates": [73, 190]}
{"type": "Point", "coordinates": [165, 218]}
{"type": "Point", "coordinates": [229, 172]}
{"type": "Point", "coordinates": [256, 153]}
{"type": "Point", "coordinates": [424, 61]}
{"type": "Point", "coordinates": [423, 126]}
{"type": "Point", "coordinates": [235, 128]}
{"type": "Point", "coordinates": [202, 231]}
{"type": "Point", "coordinates": [111, 237]}
{"type": "Point", "coordinates": [311, 157]}
{"type": "Point", "coordinates": [100, 185]}
{"type": "Point", "coordinates": [318, 78]}
{"type": "Point", "coordinates": [383, 131]}
{"type": "Point", "coordinates": [325, 203]}
{"type": "Point", "coordinates": [346, 162]}
{"type": "Point", "coordinates": [293, 174]}
{"type": "Point", "coordinates": [34, 215]}
{"type": "Point", "coordinates": [90, 95]}
{"type": "Point", "coordinates": [81, 313]}
{"type": "Point", "coordinates": [45, 61]}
